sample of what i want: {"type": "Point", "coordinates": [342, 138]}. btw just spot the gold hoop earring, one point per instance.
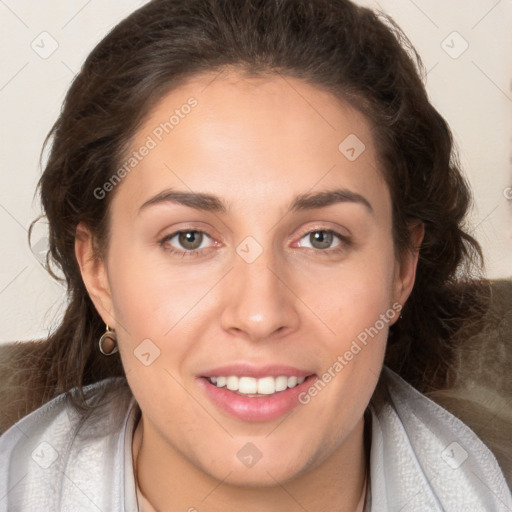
{"type": "Point", "coordinates": [108, 342]}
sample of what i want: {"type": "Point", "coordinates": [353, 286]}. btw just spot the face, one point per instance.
{"type": "Point", "coordinates": [251, 247]}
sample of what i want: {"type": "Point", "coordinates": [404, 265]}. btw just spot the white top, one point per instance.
{"type": "Point", "coordinates": [422, 457]}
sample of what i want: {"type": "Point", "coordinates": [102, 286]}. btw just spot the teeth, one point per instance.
{"type": "Point", "coordinates": [281, 383]}
{"type": "Point", "coordinates": [247, 385]}
{"type": "Point", "coordinates": [266, 386]}
{"type": "Point", "coordinates": [232, 383]}
{"type": "Point", "coordinates": [292, 382]}
{"type": "Point", "coordinates": [252, 386]}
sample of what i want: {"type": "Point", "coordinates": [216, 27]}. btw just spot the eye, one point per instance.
{"type": "Point", "coordinates": [191, 242]}
{"type": "Point", "coordinates": [323, 239]}
{"type": "Point", "coordinates": [185, 242]}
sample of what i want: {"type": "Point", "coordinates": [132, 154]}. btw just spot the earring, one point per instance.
{"type": "Point", "coordinates": [108, 341]}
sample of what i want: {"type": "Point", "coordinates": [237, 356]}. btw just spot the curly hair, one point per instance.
{"type": "Point", "coordinates": [350, 51]}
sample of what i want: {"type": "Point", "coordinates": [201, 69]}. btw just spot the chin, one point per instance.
{"type": "Point", "coordinates": [252, 478]}
{"type": "Point", "coordinates": [261, 471]}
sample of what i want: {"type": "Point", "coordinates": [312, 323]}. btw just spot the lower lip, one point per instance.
{"type": "Point", "coordinates": [259, 408]}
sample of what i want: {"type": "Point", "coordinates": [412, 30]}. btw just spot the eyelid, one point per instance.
{"type": "Point", "coordinates": [324, 226]}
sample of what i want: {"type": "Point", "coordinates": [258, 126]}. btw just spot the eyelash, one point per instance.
{"type": "Point", "coordinates": [345, 241]}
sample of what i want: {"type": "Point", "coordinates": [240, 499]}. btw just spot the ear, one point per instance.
{"type": "Point", "coordinates": [405, 265]}
{"type": "Point", "coordinates": [94, 274]}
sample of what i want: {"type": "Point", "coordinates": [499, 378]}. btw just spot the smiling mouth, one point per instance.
{"type": "Point", "coordinates": [256, 387]}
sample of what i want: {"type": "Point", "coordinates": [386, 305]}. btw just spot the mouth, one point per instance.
{"type": "Point", "coordinates": [256, 395]}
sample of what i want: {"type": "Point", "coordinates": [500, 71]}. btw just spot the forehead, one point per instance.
{"type": "Point", "coordinates": [274, 134]}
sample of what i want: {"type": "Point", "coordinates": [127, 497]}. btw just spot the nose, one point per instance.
{"type": "Point", "coordinates": [258, 301]}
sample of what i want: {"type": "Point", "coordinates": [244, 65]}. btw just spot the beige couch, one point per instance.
{"type": "Point", "coordinates": [482, 393]}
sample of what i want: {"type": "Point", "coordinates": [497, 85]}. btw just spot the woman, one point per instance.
{"type": "Point", "coordinates": [247, 199]}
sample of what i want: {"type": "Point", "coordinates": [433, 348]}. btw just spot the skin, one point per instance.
{"type": "Point", "coordinates": [256, 143]}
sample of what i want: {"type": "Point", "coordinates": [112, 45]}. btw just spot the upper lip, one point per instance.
{"type": "Point", "coordinates": [248, 370]}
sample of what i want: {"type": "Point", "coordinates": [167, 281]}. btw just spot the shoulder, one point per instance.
{"type": "Point", "coordinates": [53, 454]}
{"type": "Point", "coordinates": [423, 457]}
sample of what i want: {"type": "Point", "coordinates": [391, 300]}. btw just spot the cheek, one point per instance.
{"type": "Point", "coordinates": [355, 293]}
{"type": "Point", "coordinates": [149, 295]}
{"type": "Point", "coordinates": [357, 306]}
{"type": "Point", "coordinates": [155, 307]}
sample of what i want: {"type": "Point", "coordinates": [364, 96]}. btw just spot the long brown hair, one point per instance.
{"type": "Point", "coordinates": [348, 50]}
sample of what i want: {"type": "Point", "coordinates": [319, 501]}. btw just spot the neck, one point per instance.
{"type": "Point", "coordinates": [339, 483]}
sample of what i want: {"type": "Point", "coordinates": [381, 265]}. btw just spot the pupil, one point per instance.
{"type": "Point", "coordinates": [189, 239]}
{"type": "Point", "coordinates": [322, 239]}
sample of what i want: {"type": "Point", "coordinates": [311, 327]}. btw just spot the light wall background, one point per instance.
{"type": "Point", "coordinates": [466, 46]}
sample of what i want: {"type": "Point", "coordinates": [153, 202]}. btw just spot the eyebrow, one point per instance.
{"type": "Point", "coordinates": [215, 204]}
